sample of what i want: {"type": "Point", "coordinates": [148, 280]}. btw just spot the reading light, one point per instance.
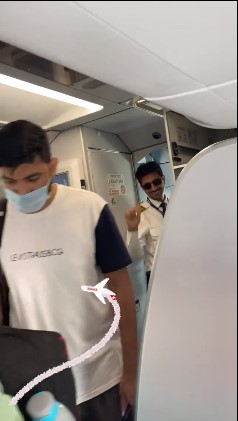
{"type": "Point", "coordinates": [49, 93]}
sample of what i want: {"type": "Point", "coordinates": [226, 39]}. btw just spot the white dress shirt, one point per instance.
{"type": "Point", "coordinates": [142, 243]}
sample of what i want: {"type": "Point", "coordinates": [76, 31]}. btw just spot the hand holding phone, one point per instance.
{"type": "Point", "coordinates": [128, 416]}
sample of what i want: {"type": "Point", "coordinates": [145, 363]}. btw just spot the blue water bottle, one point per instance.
{"type": "Point", "coordinates": [43, 407]}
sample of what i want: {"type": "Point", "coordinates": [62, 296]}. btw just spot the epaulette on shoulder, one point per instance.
{"type": "Point", "coordinates": [143, 206]}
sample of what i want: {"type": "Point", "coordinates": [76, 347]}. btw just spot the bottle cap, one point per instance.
{"type": "Point", "coordinates": [43, 406]}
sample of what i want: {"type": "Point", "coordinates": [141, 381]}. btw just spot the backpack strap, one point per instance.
{"type": "Point", "coordinates": [4, 303]}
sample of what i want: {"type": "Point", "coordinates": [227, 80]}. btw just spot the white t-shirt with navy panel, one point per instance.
{"type": "Point", "coordinates": [47, 257]}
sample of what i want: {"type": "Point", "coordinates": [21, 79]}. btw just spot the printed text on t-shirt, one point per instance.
{"type": "Point", "coordinates": [33, 254]}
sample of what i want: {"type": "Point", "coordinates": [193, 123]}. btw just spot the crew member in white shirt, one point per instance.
{"type": "Point", "coordinates": [145, 221]}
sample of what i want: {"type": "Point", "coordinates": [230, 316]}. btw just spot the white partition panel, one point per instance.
{"type": "Point", "coordinates": [110, 172]}
{"type": "Point", "coordinates": [188, 361]}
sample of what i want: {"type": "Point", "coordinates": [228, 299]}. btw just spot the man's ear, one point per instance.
{"type": "Point", "coordinates": [53, 165]}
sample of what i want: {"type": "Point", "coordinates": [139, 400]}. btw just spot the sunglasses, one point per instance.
{"type": "Point", "coordinates": [155, 182]}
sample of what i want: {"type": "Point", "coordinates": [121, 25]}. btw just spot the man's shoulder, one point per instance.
{"type": "Point", "coordinates": [144, 206]}
{"type": "Point", "coordinates": [82, 197]}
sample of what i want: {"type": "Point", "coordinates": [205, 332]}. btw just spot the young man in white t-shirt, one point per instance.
{"type": "Point", "coordinates": [55, 240]}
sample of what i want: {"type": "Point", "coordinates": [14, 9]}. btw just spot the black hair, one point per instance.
{"type": "Point", "coordinates": [148, 168]}
{"type": "Point", "coordinates": [21, 142]}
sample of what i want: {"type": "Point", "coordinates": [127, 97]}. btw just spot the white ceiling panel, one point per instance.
{"type": "Point", "coordinates": [203, 107]}
{"type": "Point", "coordinates": [122, 121]}
{"type": "Point", "coordinates": [192, 36]}
{"type": "Point", "coordinates": [68, 35]}
{"type": "Point", "coordinates": [227, 91]}
{"type": "Point", "coordinates": [161, 50]}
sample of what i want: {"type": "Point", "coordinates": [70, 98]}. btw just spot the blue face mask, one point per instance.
{"type": "Point", "coordinates": [30, 202]}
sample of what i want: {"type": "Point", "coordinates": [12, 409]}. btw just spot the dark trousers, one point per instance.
{"type": "Point", "coordinates": [105, 407]}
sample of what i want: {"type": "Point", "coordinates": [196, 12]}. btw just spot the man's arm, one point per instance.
{"type": "Point", "coordinates": [119, 282]}
{"type": "Point", "coordinates": [112, 257]}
